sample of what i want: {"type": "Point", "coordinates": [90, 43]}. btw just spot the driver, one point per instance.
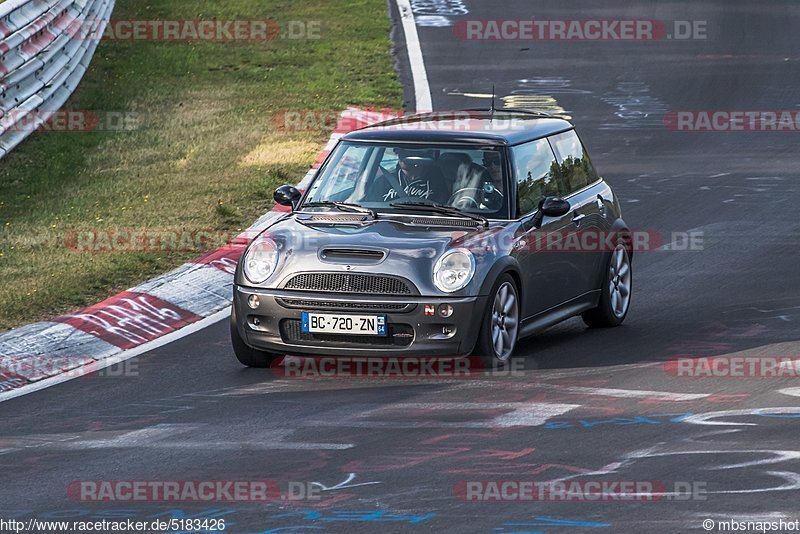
{"type": "Point", "coordinates": [416, 176]}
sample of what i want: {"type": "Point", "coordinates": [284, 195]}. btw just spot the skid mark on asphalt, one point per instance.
{"type": "Point", "coordinates": [789, 480]}
{"type": "Point", "coordinates": [711, 418]}
{"type": "Point", "coordinates": [635, 106]}
{"type": "Point", "coordinates": [343, 485]}
{"type": "Point", "coordinates": [712, 458]}
{"type": "Point", "coordinates": [782, 313]}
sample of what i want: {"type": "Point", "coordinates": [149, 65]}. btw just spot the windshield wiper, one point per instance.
{"type": "Point", "coordinates": [440, 208]}
{"type": "Point", "coordinates": [341, 206]}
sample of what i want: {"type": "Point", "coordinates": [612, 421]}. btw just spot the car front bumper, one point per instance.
{"type": "Point", "coordinates": [275, 324]}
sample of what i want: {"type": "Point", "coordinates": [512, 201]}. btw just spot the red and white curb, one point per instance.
{"type": "Point", "coordinates": [161, 310]}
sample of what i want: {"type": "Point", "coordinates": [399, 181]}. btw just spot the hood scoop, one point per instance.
{"type": "Point", "coordinates": [352, 255]}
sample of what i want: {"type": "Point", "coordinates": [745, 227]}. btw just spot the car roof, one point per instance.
{"type": "Point", "coordinates": [493, 127]}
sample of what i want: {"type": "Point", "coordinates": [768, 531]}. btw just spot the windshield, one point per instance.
{"type": "Point", "coordinates": [471, 179]}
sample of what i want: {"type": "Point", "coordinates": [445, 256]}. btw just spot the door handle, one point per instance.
{"type": "Point", "coordinates": [577, 218]}
{"type": "Point", "coordinates": [601, 204]}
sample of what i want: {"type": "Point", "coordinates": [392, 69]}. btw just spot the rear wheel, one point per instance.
{"type": "Point", "coordinates": [500, 327]}
{"type": "Point", "coordinates": [616, 296]}
{"type": "Point", "coordinates": [246, 354]}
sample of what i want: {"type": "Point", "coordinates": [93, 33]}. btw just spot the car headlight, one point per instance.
{"type": "Point", "coordinates": [261, 259]}
{"type": "Point", "coordinates": [454, 270]}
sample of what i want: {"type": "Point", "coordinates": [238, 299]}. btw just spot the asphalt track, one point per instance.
{"type": "Point", "coordinates": [591, 405]}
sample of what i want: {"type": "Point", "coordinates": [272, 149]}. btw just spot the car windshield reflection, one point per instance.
{"type": "Point", "coordinates": [380, 176]}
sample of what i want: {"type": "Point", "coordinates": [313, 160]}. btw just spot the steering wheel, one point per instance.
{"type": "Point", "coordinates": [466, 197]}
{"type": "Point", "coordinates": [464, 202]}
{"type": "Point", "coordinates": [460, 199]}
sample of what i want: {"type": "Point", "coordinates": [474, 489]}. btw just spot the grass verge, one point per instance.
{"type": "Point", "coordinates": [202, 153]}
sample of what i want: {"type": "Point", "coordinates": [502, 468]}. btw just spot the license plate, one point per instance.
{"type": "Point", "coordinates": [330, 323]}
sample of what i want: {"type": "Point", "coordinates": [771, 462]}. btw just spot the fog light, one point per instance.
{"type": "Point", "coordinates": [445, 310]}
{"type": "Point", "coordinates": [253, 301]}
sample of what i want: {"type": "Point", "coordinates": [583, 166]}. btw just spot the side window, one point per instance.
{"type": "Point", "coordinates": [536, 170]}
{"type": "Point", "coordinates": [575, 168]}
{"type": "Point", "coordinates": [390, 159]}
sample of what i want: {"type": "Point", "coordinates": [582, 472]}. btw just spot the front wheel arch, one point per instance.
{"type": "Point", "coordinates": [506, 264]}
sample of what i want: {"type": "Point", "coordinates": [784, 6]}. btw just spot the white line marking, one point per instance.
{"type": "Point", "coordinates": [519, 414]}
{"type": "Point", "coordinates": [792, 392]}
{"type": "Point", "coordinates": [113, 360]}
{"type": "Point", "coordinates": [419, 75]}
{"type": "Point", "coordinates": [162, 437]}
{"type": "Point", "coordinates": [145, 437]}
{"type": "Point", "coordinates": [630, 393]}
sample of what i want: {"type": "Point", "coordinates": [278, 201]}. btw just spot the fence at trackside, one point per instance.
{"type": "Point", "coordinates": [42, 60]}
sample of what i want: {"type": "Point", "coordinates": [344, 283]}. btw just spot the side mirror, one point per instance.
{"type": "Point", "coordinates": [554, 206]}
{"type": "Point", "coordinates": [550, 207]}
{"type": "Point", "coordinates": [287, 195]}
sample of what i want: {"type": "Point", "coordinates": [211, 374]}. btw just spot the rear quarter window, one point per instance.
{"type": "Point", "coordinates": [536, 170]}
{"type": "Point", "coordinates": [574, 166]}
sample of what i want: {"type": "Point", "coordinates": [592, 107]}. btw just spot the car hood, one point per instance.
{"type": "Point", "coordinates": [390, 245]}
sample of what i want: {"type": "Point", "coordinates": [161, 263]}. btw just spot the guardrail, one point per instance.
{"type": "Point", "coordinates": [45, 50]}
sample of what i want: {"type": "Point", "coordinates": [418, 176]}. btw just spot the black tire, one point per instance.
{"type": "Point", "coordinates": [484, 348]}
{"type": "Point", "coordinates": [604, 316]}
{"type": "Point", "coordinates": [246, 354]}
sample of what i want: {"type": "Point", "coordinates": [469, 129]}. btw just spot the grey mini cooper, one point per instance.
{"type": "Point", "coordinates": [439, 234]}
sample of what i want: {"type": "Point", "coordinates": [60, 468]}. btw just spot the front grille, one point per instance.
{"type": "Point", "coordinates": [368, 284]}
{"type": "Point", "coordinates": [400, 335]}
{"type": "Point", "coordinates": [350, 305]}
